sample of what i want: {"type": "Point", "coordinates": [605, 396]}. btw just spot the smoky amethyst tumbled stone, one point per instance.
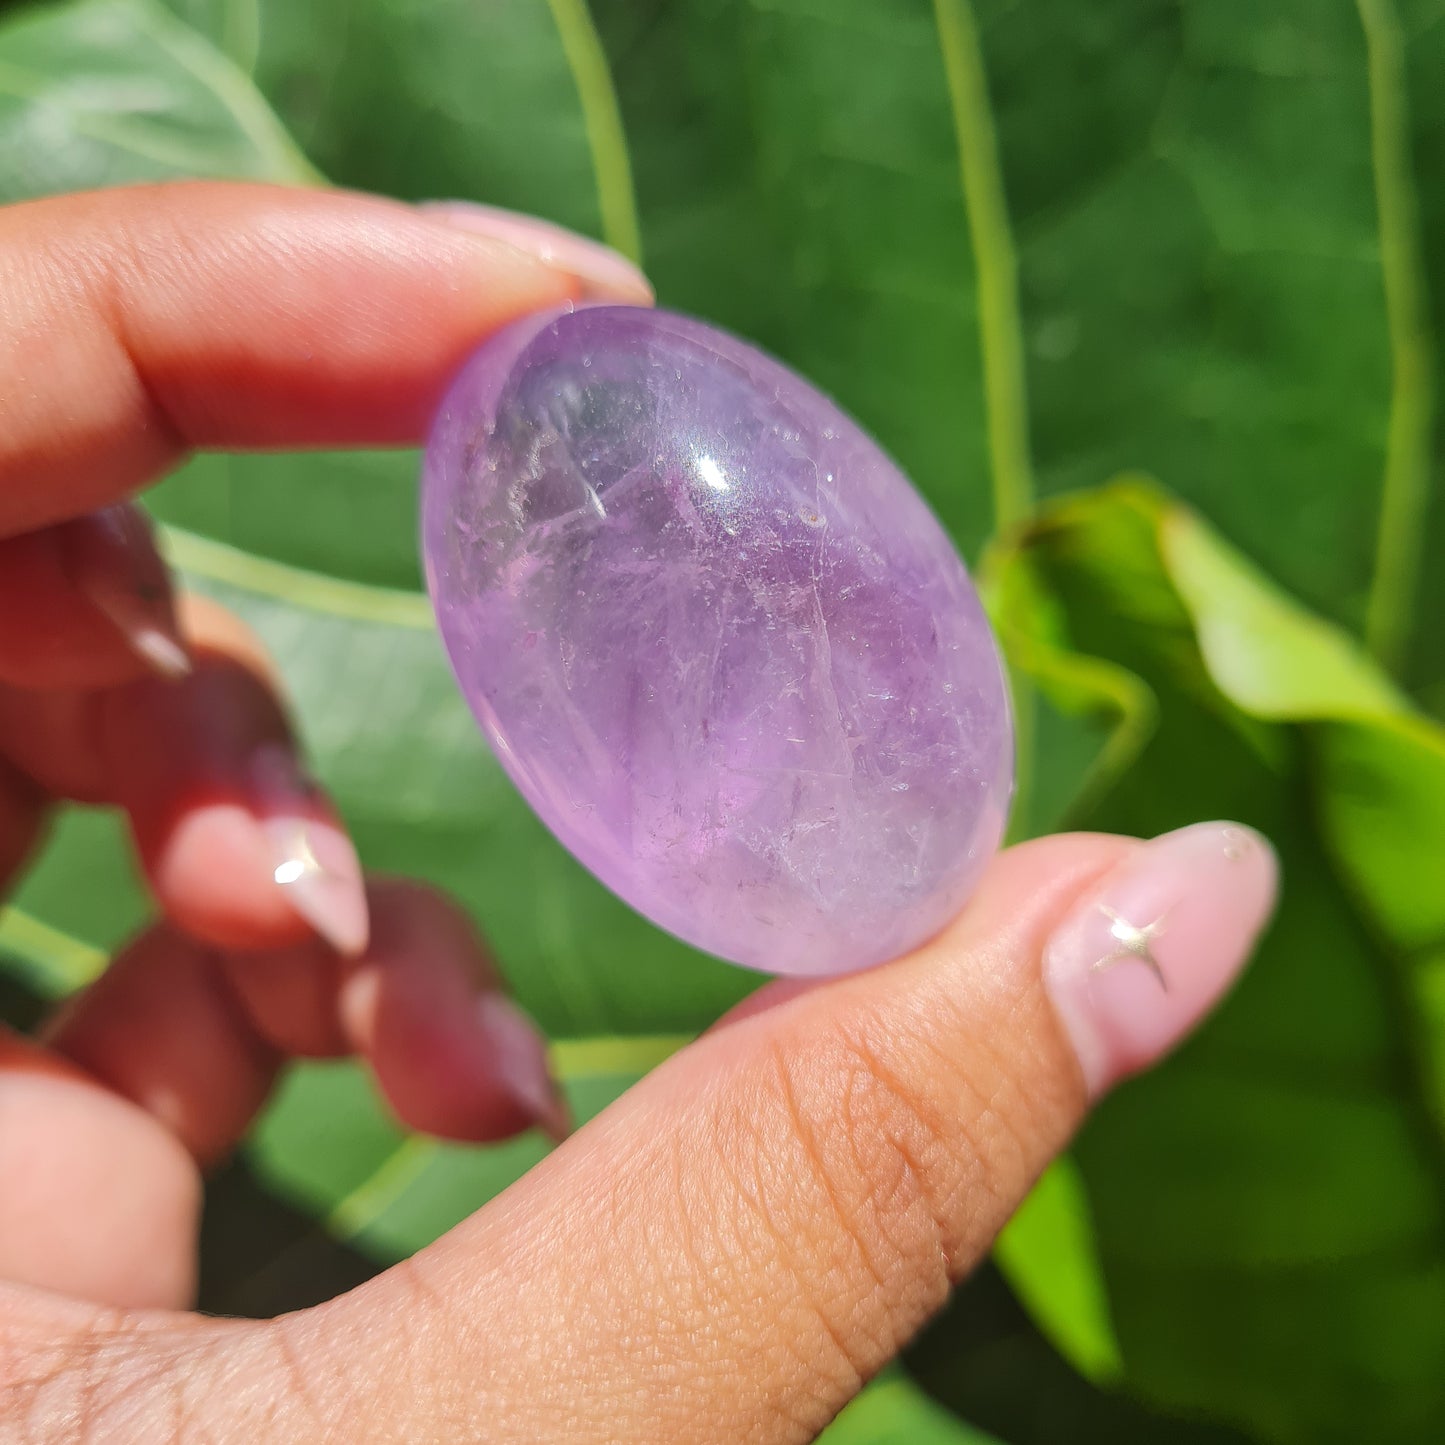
{"type": "Point", "coordinates": [716, 638]}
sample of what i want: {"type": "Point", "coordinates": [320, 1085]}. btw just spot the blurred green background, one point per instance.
{"type": "Point", "coordinates": [1146, 296]}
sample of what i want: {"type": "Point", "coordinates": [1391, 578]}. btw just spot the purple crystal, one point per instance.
{"type": "Point", "coordinates": [716, 638]}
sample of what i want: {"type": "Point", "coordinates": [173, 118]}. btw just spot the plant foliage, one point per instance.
{"type": "Point", "coordinates": [1047, 253]}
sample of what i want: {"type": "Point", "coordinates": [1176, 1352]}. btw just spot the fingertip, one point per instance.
{"type": "Point", "coordinates": [320, 874]}
{"type": "Point", "coordinates": [243, 849]}
{"type": "Point", "coordinates": [602, 273]}
{"type": "Point", "coordinates": [213, 871]}
{"type": "Point", "coordinates": [1144, 957]}
{"type": "Point", "coordinates": [518, 1052]}
{"type": "Point", "coordinates": [452, 1054]}
{"type": "Point", "coordinates": [161, 1028]}
{"type": "Point", "coordinates": [110, 557]}
{"type": "Point", "coordinates": [235, 875]}
{"type": "Point", "coordinates": [435, 1057]}
{"type": "Point", "coordinates": [55, 635]}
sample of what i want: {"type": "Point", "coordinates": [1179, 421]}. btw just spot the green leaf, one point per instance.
{"type": "Point", "coordinates": [1047, 1254]}
{"type": "Point", "coordinates": [1287, 1165]}
{"type": "Point", "coordinates": [1029, 246]}
{"type": "Point", "coordinates": [1379, 767]}
{"type": "Point", "coordinates": [426, 99]}
{"type": "Point", "coordinates": [103, 92]}
{"type": "Point", "coordinates": [799, 178]}
{"type": "Point", "coordinates": [233, 25]}
{"type": "Point", "coordinates": [984, 1359]}
{"type": "Point", "coordinates": [1208, 281]}
{"type": "Point", "coordinates": [894, 1411]}
{"type": "Point", "coordinates": [1423, 64]}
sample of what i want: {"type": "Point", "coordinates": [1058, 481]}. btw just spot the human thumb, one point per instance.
{"type": "Point", "coordinates": [732, 1249]}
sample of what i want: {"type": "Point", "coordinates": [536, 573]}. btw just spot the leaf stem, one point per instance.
{"type": "Point", "coordinates": [1405, 489]}
{"type": "Point", "coordinates": [1000, 328]}
{"type": "Point", "coordinates": [204, 557]}
{"type": "Point", "coordinates": [233, 88]}
{"type": "Point", "coordinates": [60, 961]}
{"type": "Point", "coordinates": [602, 119]}
{"type": "Point", "coordinates": [357, 1211]}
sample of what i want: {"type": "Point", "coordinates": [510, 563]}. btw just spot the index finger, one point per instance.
{"type": "Point", "coordinates": [142, 323]}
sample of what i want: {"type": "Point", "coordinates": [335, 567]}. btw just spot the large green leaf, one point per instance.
{"type": "Point", "coordinates": [1192, 237]}
{"type": "Point", "coordinates": [1269, 1206]}
{"type": "Point", "coordinates": [894, 1411]}
{"type": "Point", "coordinates": [108, 91]}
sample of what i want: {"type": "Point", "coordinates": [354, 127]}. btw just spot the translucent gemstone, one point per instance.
{"type": "Point", "coordinates": [716, 638]}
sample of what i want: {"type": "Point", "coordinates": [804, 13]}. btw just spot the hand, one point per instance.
{"type": "Point", "coordinates": [724, 1255]}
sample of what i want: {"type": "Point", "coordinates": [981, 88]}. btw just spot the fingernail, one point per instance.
{"type": "Point", "coordinates": [314, 861]}
{"type": "Point", "coordinates": [520, 1053]}
{"type": "Point", "coordinates": [1157, 944]}
{"type": "Point", "coordinates": [605, 274]}
{"type": "Point", "coordinates": [111, 557]}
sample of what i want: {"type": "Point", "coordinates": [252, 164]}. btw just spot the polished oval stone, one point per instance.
{"type": "Point", "coordinates": [716, 638]}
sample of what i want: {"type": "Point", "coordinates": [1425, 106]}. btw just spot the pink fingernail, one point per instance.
{"type": "Point", "coordinates": [1158, 943]}
{"type": "Point", "coordinates": [520, 1054]}
{"type": "Point", "coordinates": [606, 274]}
{"type": "Point", "coordinates": [315, 863]}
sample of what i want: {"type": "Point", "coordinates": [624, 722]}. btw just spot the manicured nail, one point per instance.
{"type": "Point", "coordinates": [1158, 943]}
{"type": "Point", "coordinates": [605, 274]}
{"type": "Point", "coordinates": [520, 1053]}
{"type": "Point", "coordinates": [314, 861]}
{"type": "Point", "coordinates": [111, 557]}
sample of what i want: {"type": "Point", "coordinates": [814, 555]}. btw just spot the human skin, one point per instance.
{"type": "Point", "coordinates": [845, 1151]}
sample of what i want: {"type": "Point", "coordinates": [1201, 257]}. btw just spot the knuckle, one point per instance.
{"type": "Point", "coordinates": [885, 1162]}
{"type": "Point", "coordinates": [300, 1379]}
{"type": "Point", "coordinates": [865, 1186]}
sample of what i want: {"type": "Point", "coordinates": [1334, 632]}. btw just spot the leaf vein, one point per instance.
{"type": "Point", "coordinates": [315, 591]}
{"type": "Point", "coordinates": [1405, 489]}
{"type": "Point", "coordinates": [231, 86]}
